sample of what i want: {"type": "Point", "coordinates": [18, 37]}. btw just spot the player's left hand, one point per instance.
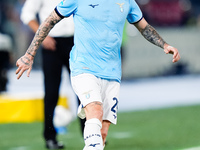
{"type": "Point", "coordinates": [24, 63]}
{"type": "Point", "coordinates": [172, 50]}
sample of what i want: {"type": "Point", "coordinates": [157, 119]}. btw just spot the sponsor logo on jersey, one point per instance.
{"type": "Point", "coordinates": [93, 5]}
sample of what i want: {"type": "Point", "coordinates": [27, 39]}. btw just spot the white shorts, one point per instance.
{"type": "Point", "coordinates": [90, 88]}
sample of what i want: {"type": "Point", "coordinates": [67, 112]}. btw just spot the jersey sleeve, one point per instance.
{"type": "Point", "coordinates": [66, 8]}
{"type": "Point", "coordinates": [135, 14]}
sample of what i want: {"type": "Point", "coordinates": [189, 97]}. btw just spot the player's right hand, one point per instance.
{"type": "Point", "coordinates": [24, 63]}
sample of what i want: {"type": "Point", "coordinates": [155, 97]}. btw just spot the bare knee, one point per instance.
{"type": "Point", "coordinates": [94, 110]}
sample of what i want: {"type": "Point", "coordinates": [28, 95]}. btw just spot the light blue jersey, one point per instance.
{"type": "Point", "coordinates": [98, 34]}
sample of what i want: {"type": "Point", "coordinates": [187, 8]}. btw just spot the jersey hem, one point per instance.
{"type": "Point", "coordinates": [99, 76]}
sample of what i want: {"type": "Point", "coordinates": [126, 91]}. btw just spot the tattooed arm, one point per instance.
{"type": "Point", "coordinates": [25, 62]}
{"type": "Point", "coordinates": [152, 36]}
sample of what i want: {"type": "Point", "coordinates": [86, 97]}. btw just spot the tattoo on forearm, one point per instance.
{"type": "Point", "coordinates": [152, 36]}
{"type": "Point", "coordinates": [42, 32]}
{"type": "Point", "coordinates": [30, 54]}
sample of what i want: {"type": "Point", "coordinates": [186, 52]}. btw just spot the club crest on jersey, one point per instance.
{"type": "Point", "coordinates": [121, 6]}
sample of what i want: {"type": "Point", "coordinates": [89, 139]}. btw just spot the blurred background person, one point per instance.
{"type": "Point", "coordinates": [5, 51]}
{"type": "Point", "coordinates": [55, 55]}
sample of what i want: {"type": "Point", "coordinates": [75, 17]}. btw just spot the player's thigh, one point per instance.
{"type": "Point", "coordinates": [87, 88]}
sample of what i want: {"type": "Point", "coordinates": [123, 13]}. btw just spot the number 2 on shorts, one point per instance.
{"type": "Point", "coordinates": [114, 108]}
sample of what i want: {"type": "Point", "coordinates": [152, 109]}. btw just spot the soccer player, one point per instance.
{"type": "Point", "coordinates": [95, 60]}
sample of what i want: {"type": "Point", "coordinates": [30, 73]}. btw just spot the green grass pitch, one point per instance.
{"type": "Point", "coordinates": [161, 129]}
